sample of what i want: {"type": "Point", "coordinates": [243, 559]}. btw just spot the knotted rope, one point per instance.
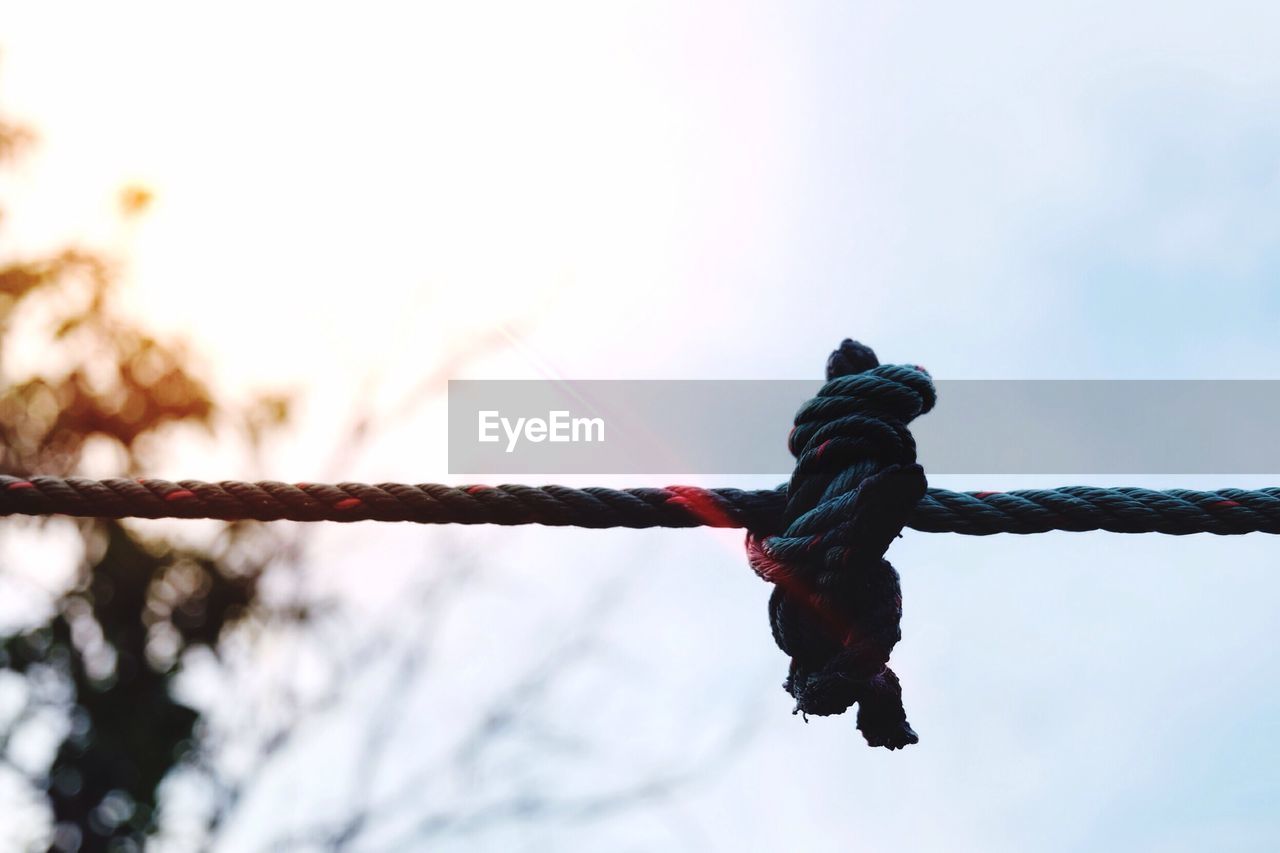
{"type": "Point", "coordinates": [836, 603]}
{"type": "Point", "coordinates": [821, 539]}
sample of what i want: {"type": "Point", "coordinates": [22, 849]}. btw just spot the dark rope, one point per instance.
{"type": "Point", "coordinates": [821, 540]}
{"type": "Point", "coordinates": [837, 603]}
{"type": "Point", "coordinates": [1076, 508]}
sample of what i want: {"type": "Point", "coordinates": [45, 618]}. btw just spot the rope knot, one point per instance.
{"type": "Point", "coordinates": [837, 604]}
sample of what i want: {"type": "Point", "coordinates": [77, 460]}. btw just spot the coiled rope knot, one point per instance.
{"type": "Point", "coordinates": [836, 603]}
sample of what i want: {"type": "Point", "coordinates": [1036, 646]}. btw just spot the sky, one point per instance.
{"type": "Point", "coordinates": [623, 190]}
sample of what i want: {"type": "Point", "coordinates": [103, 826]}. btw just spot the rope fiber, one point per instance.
{"type": "Point", "coordinates": [820, 540]}
{"type": "Point", "coordinates": [1073, 508]}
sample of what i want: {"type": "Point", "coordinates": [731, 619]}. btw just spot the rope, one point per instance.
{"type": "Point", "coordinates": [820, 540]}
{"type": "Point", "coordinates": [836, 606]}
{"type": "Point", "coordinates": [1073, 508]}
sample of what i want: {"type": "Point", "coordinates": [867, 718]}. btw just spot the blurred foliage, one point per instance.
{"type": "Point", "coordinates": [135, 199]}
{"type": "Point", "coordinates": [75, 375]}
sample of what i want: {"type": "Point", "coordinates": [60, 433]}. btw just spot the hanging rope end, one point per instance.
{"type": "Point", "coordinates": [881, 717]}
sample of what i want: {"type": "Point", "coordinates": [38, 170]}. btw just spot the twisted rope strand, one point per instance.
{"type": "Point", "coordinates": [1074, 508]}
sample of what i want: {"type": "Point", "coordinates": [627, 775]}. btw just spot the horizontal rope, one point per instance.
{"type": "Point", "coordinates": [1078, 508]}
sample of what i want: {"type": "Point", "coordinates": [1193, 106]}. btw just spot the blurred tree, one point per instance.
{"type": "Point", "coordinates": [103, 659]}
{"type": "Point", "coordinates": [97, 668]}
